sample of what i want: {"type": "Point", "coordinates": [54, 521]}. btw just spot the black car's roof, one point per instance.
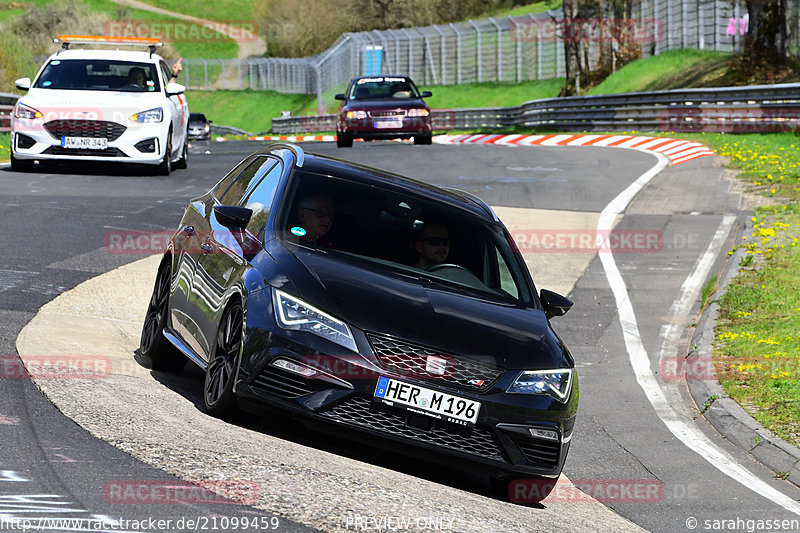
{"type": "Point", "coordinates": [327, 165]}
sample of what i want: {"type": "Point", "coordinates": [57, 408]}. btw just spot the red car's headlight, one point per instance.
{"type": "Point", "coordinates": [418, 112]}
{"type": "Point", "coordinates": [357, 114]}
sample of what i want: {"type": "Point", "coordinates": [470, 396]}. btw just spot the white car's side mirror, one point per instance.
{"type": "Point", "coordinates": [175, 88]}
{"type": "Point", "coordinates": [23, 84]}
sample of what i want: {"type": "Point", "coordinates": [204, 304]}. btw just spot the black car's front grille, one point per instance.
{"type": "Point", "coordinates": [89, 152]}
{"type": "Point", "coordinates": [286, 384]}
{"type": "Point", "coordinates": [360, 412]}
{"type": "Point", "coordinates": [412, 360]}
{"type": "Point", "coordinates": [539, 451]}
{"type": "Point", "coordinates": [85, 128]}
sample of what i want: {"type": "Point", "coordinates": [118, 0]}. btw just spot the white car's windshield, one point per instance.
{"type": "Point", "coordinates": [99, 75]}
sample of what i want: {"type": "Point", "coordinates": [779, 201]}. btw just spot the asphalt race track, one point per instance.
{"type": "Point", "coordinates": [640, 445]}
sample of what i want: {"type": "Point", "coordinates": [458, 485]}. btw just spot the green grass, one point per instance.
{"type": "Point", "coordinates": [669, 70]}
{"type": "Point", "coordinates": [5, 146]}
{"type": "Point", "coordinates": [707, 292]}
{"type": "Point", "coordinates": [535, 7]}
{"type": "Point", "coordinates": [757, 348]}
{"type": "Point", "coordinates": [217, 46]}
{"type": "Point", "coordinates": [222, 10]}
{"type": "Point", "coordinates": [249, 110]}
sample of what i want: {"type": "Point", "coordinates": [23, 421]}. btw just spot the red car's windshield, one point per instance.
{"type": "Point", "coordinates": [383, 88]}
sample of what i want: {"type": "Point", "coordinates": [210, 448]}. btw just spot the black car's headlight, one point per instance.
{"type": "Point", "coordinates": [293, 313]}
{"type": "Point", "coordinates": [554, 383]}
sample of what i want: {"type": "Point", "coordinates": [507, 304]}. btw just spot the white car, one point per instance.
{"type": "Point", "coordinates": [101, 105]}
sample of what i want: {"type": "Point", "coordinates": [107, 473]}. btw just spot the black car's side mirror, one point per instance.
{"type": "Point", "coordinates": [340, 97]}
{"type": "Point", "coordinates": [554, 304]}
{"type": "Point", "coordinates": [232, 216]}
{"type": "Point", "coordinates": [427, 94]}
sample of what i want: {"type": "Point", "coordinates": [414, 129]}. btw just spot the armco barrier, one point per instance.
{"type": "Point", "coordinates": [7, 102]}
{"type": "Point", "coordinates": [761, 108]}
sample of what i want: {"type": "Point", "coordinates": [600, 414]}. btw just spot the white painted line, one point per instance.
{"type": "Point", "coordinates": [690, 435]}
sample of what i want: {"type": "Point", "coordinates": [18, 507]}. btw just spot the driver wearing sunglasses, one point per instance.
{"type": "Point", "coordinates": [433, 246]}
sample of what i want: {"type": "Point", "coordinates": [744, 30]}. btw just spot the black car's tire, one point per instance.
{"type": "Point", "coordinates": [165, 167]}
{"type": "Point", "coordinates": [155, 351]}
{"type": "Point", "coordinates": [21, 165]}
{"type": "Point", "coordinates": [344, 140]}
{"type": "Point", "coordinates": [423, 139]}
{"type": "Point", "coordinates": [522, 489]}
{"type": "Point", "coordinates": [218, 397]}
{"type": "Point", "coordinates": [183, 162]}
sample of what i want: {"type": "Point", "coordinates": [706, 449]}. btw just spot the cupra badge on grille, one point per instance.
{"type": "Point", "coordinates": [435, 365]}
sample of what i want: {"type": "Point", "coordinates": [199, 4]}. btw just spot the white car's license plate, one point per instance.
{"type": "Point", "coordinates": [428, 402]}
{"type": "Point", "coordinates": [386, 124]}
{"type": "Point", "coordinates": [94, 143]}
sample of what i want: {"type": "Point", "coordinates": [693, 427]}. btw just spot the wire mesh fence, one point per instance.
{"type": "Point", "coordinates": [506, 49]}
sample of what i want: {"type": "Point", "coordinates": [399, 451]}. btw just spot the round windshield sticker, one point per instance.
{"type": "Point", "coordinates": [55, 62]}
{"type": "Point", "coordinates": [298, 231]}
{"type": "Point", "coordinates": [47, 84]}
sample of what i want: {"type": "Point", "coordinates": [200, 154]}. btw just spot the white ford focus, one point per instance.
{"type": "Point", "coordinates": [101, 105]}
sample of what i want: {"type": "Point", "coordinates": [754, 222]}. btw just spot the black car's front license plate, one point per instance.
{"type": "Point", "coordinates": [443, 406]}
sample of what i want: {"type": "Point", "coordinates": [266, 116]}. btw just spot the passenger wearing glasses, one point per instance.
{"type": "Point", "coordinates": [315, 213]}
{"type": "Point", "coordinates": [433, 246]}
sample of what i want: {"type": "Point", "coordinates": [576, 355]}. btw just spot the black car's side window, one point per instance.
{"type": "Point", "coordinates": [261, 197]}
{"type": "Point", "coordinates": [247, 179]}
{"type": "Point", "coordinates": [225, 183]}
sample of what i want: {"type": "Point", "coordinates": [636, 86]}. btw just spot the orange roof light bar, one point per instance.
{"type": "Point", "coordinates": [108, 39]}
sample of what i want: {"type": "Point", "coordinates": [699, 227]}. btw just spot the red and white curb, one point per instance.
{"type": "Point", "coordinates": [678, 151]}
{"type": "Point", "coordinates": [295, 138]}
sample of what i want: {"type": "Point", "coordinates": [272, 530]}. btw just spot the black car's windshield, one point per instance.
{"type": "Point", "coordinates": [402, 233]}
{"type": "Point", "coordinates": [383, 87]}
{"type": "Point", "coordinates": [99, 75]}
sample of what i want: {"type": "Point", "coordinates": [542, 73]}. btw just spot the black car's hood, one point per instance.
{"type": "Point", "coordinates": [422, 311]}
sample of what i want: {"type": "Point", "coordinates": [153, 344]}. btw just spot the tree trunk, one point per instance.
{"type": "Point", "coordinates": [765, 41]}
{"type": "Point", "coordinates": [572, 42]}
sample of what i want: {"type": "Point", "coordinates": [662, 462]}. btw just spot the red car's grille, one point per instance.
{"type": "Point", "coordinates": [382, 114]}
{"type": "Point", "coordinates": [84, 128]}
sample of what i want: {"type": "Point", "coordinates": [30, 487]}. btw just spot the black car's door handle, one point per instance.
{"type": "Point", "coordinates": [207, 248]}
{"type": "Point", "coordinates": [189, 230]}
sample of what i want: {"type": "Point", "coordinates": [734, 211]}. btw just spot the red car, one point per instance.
{"type": "Point", "coordinates": [383, 107]}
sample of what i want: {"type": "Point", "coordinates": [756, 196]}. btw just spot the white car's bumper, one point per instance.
{"type": "Point", "coordinates": [127, 143]}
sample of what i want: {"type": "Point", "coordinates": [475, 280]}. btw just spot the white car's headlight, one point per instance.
{"type": "Point", "coordinates": [24, 111]}
{"type": "Point", "coordinates": [554, 383]}
{"type": "Point", "coordinates": [151, 115]}
{"type": "Point", "coordinates": [293, 313]}
{"type": "Point", "coordinates": [418, 112]}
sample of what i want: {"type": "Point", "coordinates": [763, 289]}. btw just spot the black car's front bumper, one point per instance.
{"type": "Point", "coordinates": [500, 442]}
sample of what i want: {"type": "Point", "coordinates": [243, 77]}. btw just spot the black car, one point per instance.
{"type": "Point", "coordinates": [199, 127]}
{"type": "Point", "coordinates": [383, 107]}
{"type": "Point", "coordinates": [295, 283]}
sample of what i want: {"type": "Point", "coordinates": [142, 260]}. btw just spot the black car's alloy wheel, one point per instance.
{"type": "Point", "coordinates": [218, 395]}
{"type": "Point", "coordinates": [156, 351]}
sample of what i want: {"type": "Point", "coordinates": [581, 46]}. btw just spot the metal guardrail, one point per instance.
{"type": "Point", "coordinates": [7, 102]}
{"type": "Point", "coordinates": [762, 108]}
